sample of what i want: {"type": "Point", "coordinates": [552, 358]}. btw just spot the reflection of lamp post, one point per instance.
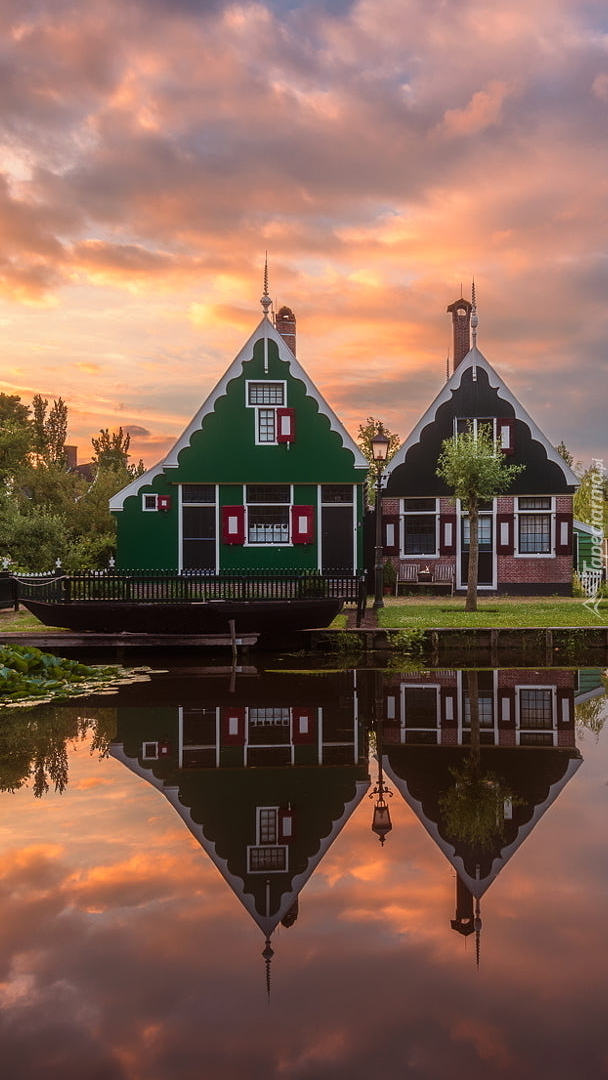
{"type": "Point", "coordinates": [381, 822]}
{"type": "Point", "coordinates": [380, 444]}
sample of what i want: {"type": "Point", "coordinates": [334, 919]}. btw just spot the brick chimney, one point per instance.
{"type": "Point", "coordinates": [286, 325]}
{"type": "Point", "coordinates": [461, 327]}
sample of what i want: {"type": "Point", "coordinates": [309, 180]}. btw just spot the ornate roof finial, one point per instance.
{"type": "Point", "coordinates": [268, 954]}
{"type": "Point", "coordinates": [266, 302]}
{"type": "Point", "coordinates": [477, 925]}
{"type": "Point", "coordinates": [474, 319]}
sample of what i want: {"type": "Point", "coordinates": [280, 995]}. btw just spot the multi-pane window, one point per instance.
{"type": "Point", "coordinates": [266, 398]}
{"type": "Point", "coordinates": [270, 717]}
{"type": "Point", "coordinates": [534, 531]}
{"type": "Point", "coordinates": [267, 825]}
{"type": "Point", "coordinates": [484, 532]}
{"type": "Point", "coordinates": [268, 507]}
{"type": "Point", "coordinates": [267, 858]}
{"type": "Point", "coordinates": [336, 493]}
{"type": "Point", "coordinates": [267, 426]}
{"type": "Point", "coordinates": [419, 527]}
{"type": "Point", "coordinates": [198, 493]}
{"type": "Point", "coordinates": [486, 710]}
{"type": "Point", "coordinates": [265, 393]}
{"type": "Point", "coordinates": [536, 709]}
{"type": "Point", "coordinates": [268, 854]}
{"type": "Point", "coordinates": [475, 424]}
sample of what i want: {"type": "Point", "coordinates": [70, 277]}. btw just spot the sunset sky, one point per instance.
{"type": "Point", "coordinates": [382, 151]}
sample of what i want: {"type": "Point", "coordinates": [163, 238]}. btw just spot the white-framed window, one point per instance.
{"type": "Point", "coordinates": [484, 527]}
{"type": "Point", "coordinates": [266, 397]}
{"type": "Point", "coordinates": [267, 860]}
{"type": "Point", "coordinates": [536, 715]}
{"type": "Point", "coordinates": [149, 502]}
{"type": "Point", "coordinates": [149, 751]}
{"type": "Point", "coordinates": [535, 514]}
{"type": "Point", "coordinates": [268, 513]}
{"type": "Point", "coordinates": [420, 718]}
{"type": "Point", "coordinates": [271, 716]}
{"type": "Point", "coordinates": [501, 431]}
{"type": "Point", "coordinates": [475, 424]}
{"type": "Point", "coordinates": [420, 526]}
{"type": "Point", "coordinates": [267, 855]}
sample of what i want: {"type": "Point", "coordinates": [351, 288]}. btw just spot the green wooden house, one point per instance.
{"type": "Point", "coordinates": [264, 478]}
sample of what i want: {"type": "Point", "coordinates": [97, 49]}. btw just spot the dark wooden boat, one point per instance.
{"type": "Point", "coordinates": [186, 617]}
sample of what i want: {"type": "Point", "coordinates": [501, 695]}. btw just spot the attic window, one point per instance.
{"type": "Point", "coordinates": [266, 393]}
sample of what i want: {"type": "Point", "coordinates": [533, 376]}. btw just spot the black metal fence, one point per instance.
{"type": "Point", "coordinates": [8, 593]}
{"type": "Point", "coordinates": [166, 586]}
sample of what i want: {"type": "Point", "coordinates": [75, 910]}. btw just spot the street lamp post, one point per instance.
{"type": "Point", "coordinates": [380, 444]}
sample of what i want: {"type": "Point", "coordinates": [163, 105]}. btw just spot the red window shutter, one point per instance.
{"type": "Point", "coordinates": [233, 726]}
{"type": "Point", "coordinates": [303, 725]}
{"type": "Point", "coordinates": [302, 524]}
{"type": "Point", "coordinates": [565, 708]}
{"type": "Point", "coordinates": [286, 425]}
{"type": "Point", "coordinates": [505, 533]}
{"type": "Point", "coordinates": [285, 825]}
{"type": "Point", "coordinates": [233, 524]}
{"type": "Point", "coordinates": [506, 707]}
{"type": "Point", "coordinates": [563, 534]}
{"type": "Point", "coordinates": [164, 749]}
{"type": "Point", "coordinates": [447, 534]}
{"type": "Point", "coordinates": [390, 533]}
{"type": "Point", "coordinates": [505, 432]}
{"type": "Point", "coordinates": [164, 502]}
{"type": "Point", "coordinates": [449, 707]}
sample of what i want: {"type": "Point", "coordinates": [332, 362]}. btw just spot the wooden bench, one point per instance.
{"type": "Point", "coordinates": [443, 574]}
{"type": "Point", "coordinates": [410, 574]}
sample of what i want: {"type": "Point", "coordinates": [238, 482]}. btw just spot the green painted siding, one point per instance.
{"type": "Point", "coordinates": [584, 550]}
{"type": "Point", "coordinates": [223, 452]}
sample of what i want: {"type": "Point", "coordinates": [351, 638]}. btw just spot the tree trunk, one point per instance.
{"type": "Point", "coordinates": [473, 694]}
{"type": "Point", "coordinates": [473, 509]}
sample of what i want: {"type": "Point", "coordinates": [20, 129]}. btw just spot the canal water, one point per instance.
{"type": "Point", "coordinates": [191, 886]}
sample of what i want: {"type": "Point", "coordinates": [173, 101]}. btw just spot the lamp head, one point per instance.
{"type": "Point", "coordinates": [380, 444]}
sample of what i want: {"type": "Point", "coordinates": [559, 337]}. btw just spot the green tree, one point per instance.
{"type": "Point", "coordinates": [32, 540]}
{"type": "Point", "coordinates": [367, 432]}
{"type": "Point", "coordinates": [563, 451]}
{"type": "Point", "coordinates": [475, 469]}
{"type": "Point", "coordinates": [474, 806]}
{"type": "Point", "coordinates": [16, 438]}
{"type": "Point", "coordinates": [111, 450]}
{"type": "Point", "coordinates": [50, 430]}
{"type": "Point", "coordinates": [591, 497]}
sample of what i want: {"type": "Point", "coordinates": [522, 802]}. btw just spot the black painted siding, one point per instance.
{"type": "Point", "coordinates": [416, 475]}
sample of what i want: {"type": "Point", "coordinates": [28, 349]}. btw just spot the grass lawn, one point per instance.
{"type": "Point", "coordinates": [22, 622]}
{"type": "Point", "coordinates": [440, 611]}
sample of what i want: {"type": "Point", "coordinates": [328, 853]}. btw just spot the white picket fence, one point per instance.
{"type": "Point", "coordinates": [591, 581]}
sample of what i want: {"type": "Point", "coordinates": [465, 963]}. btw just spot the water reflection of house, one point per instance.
{"type": "Point", "coordinates": [527, 754]}
{"type": "Point", "coordinates": [265, 775]}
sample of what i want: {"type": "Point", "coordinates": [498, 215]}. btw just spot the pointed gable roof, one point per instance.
{"type": "Point", "coordinates": [264, 332]}
{"type": "Point", "coordinates": [422, 775]}
{"type": "Point", "coordinates": [469, 367]}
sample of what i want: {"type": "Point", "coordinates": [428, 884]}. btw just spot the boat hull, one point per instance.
{"type": "Point", "coordinates": [213, 617]}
